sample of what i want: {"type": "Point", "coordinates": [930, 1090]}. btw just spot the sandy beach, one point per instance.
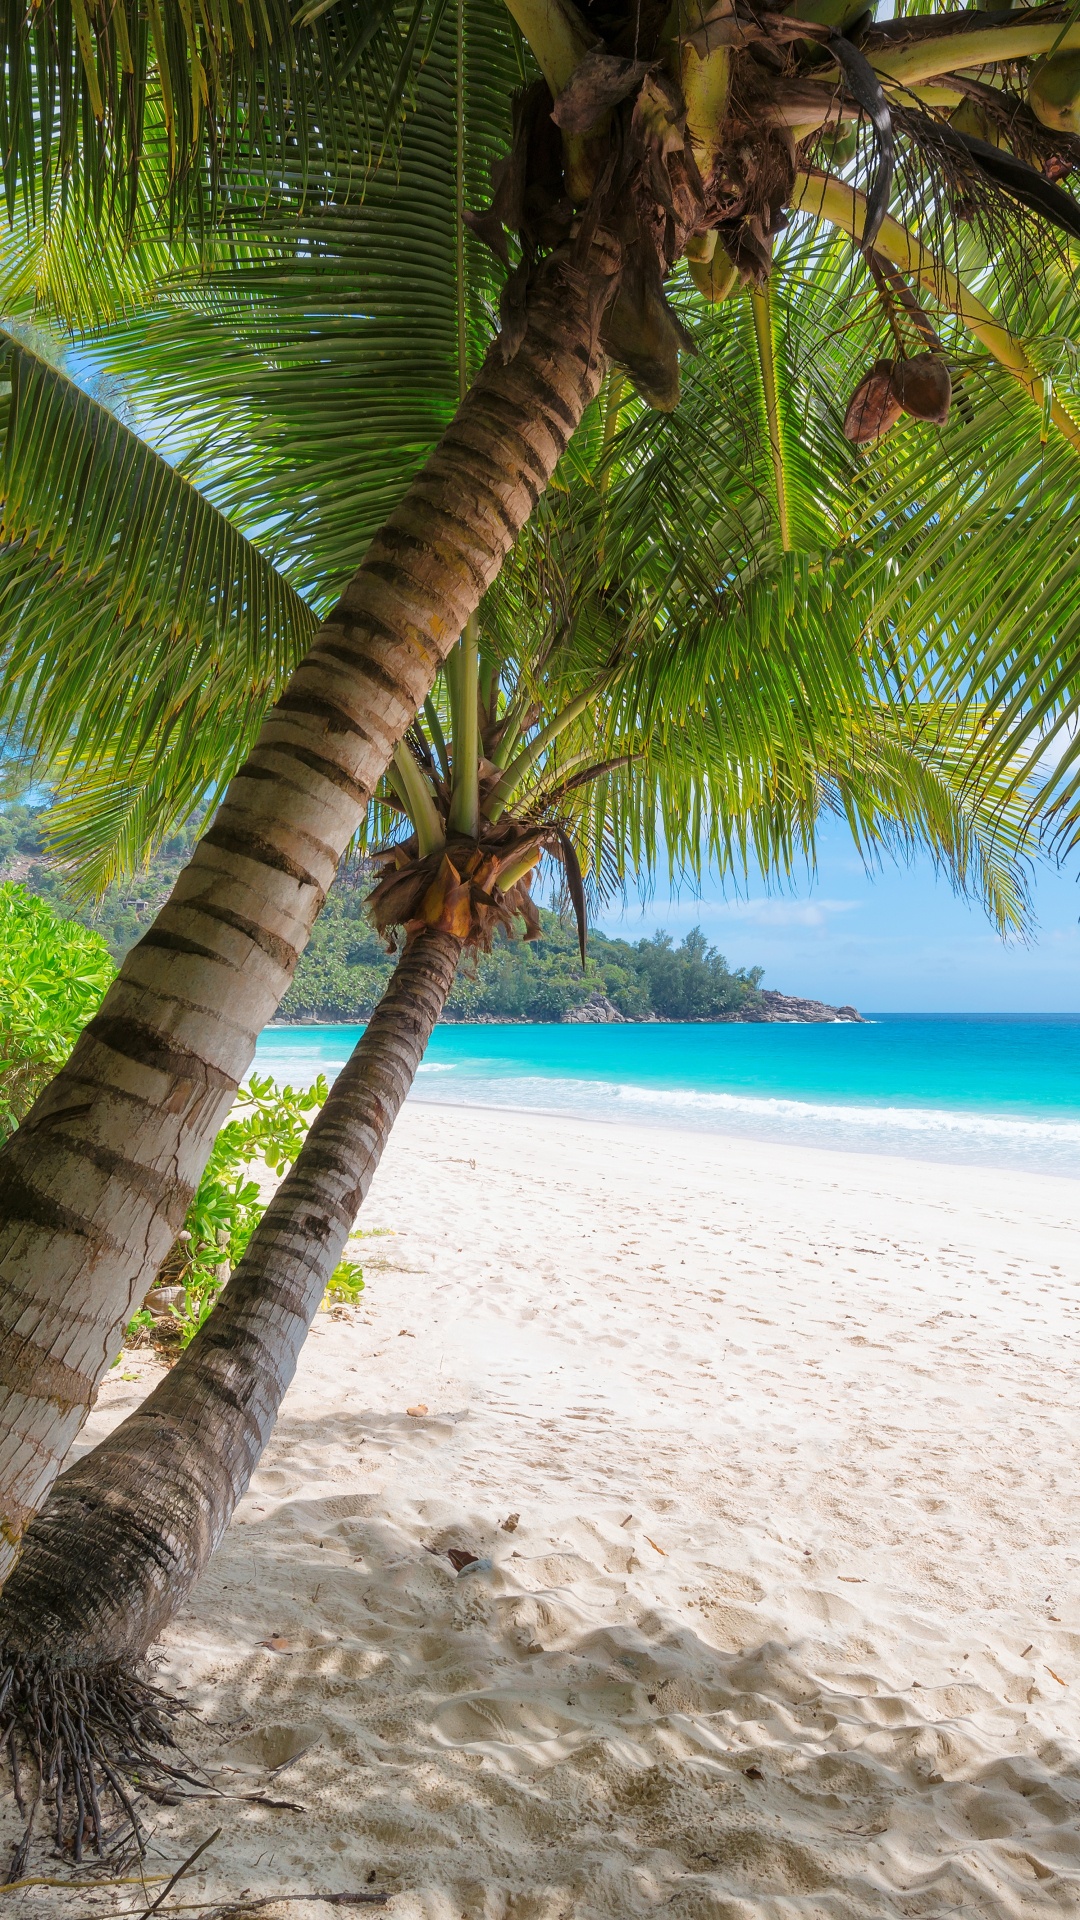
{"type": "Point", "coordinates": [788, 1623]}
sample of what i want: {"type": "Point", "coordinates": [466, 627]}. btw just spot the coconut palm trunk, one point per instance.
{"type": "Point", "coordinates": [96, 1182]}
{"type": "Point", "coordinates": [126, 1532]}
{"type": "Point", "coordinates": [128, 1529]}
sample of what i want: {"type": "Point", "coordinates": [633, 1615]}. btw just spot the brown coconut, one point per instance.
{"type": "Point", "coordinates": [923, 387]}
{"type": "Point", "coordinates": [874, 407]}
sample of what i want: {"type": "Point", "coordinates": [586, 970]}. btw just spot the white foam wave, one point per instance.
{"type": "Point", "coordinates": [922, 1132]}
{"type": "Point", "coordinates": [916, 1119]}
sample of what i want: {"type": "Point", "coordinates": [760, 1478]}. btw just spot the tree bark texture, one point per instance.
{"type": "Point", "coordinates": [95, 1184]}
{"type": "Point", "coordinates": [127, 1530]}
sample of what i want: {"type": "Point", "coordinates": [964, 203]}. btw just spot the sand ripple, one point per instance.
{"type": "Point", "coordinates": [789, 1627]}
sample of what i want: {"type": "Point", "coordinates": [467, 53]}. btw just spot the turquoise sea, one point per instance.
{"type": "Point", "coordinates": [991, 1089]}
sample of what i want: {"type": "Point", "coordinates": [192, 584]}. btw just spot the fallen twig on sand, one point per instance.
{"type": "Point", "coordinates": [180, 1872]}
{"type": "Point", "coordinates": [329, 1899]}
{"type": "Point", "coordinates": [168, 1799]}
{"type": "Point", "coordinates": [273, 1772]}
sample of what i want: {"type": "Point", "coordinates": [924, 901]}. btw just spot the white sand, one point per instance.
{"type": "Point", "coordinates": [790, 1625]}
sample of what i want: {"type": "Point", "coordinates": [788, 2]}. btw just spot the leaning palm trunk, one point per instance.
{"type": "Point", "coordinates": [126, 1532]}
{"type": "Point", "coordinates": [96, 1182]}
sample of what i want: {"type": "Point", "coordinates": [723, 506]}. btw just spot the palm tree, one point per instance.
{"type": "Point", "coordinates": [571, 747]}
{"type": "Point", "coordinates": [606, 707]}
{"type": "Point", "coordinates": [645, 138]}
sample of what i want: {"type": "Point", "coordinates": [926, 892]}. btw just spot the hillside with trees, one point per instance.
{"type": "Point", "coordinates": [124, 909]}
{"type": "Point", "coordinates": [346, 968]}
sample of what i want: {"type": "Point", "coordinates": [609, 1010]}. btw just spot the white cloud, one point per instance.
{"type": "Point", "coordinates": [680, 911]}
{"type": "Point", "coordinates": [782, 913]}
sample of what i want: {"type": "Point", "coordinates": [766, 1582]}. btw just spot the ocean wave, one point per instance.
{"type": "Point", "coordinates": [919, 1132]}
{"type": "Point", "coordinates": [984, 1135]}
{"type": "Point", "coordinates": [917, 1119]}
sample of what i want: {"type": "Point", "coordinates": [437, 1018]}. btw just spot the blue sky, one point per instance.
{"type": "Point", "coordinates": [898, 942]}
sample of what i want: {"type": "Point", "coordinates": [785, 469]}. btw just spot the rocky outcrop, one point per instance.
{"type": "Point", "coordinates": [787, 1008]}
{"type": "Point", "coordinates": [596, 1010]}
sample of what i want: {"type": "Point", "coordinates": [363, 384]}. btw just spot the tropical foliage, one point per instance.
{"type": "Point", "coordinates": [53, 973]}
{"type": "Point", "coordinates": [122, 910]}
{"type": "Point", "coordinates": [754, 590]}
{"type": "Point", "coordinates": [299, 375]}
{"type": "Point", "coordinates": [267, 1128]}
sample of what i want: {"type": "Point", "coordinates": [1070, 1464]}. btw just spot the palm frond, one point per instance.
{"type": "Point", "coordinates": [229, 86]}
{"type": "Point", "coordinates": [303, 383]}
{"type": "Point", "coordinates": [303, 386]}
{"type": "Point", "coordinates": [139, 629]}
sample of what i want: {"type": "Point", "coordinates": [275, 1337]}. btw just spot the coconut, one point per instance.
{"type": "Point", "coordinates": [838, 14]}
{"type": "Point", "coordinates": [923, 387]}
{"type": "Point", "coordinates": [969, 117]}
{"type": "Point", "coordinates": [840, 146]}
{"type": "Point", "coordinates": [1054, 92]}
{"type": "Point", "coordinates": [874, 407]}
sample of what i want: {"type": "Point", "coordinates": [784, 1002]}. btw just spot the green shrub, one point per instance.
{"type": "Point", "coordinates": [53, 973]}
{"type": "Point", "coordinates": [346, 1283]}
{"type": "Point", "coordinates": [268, 1124]}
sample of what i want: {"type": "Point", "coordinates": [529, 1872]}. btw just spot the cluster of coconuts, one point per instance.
{"type": "Point", "coordinates": [1053, 93]}
{"type": "Point", "coordinates": [921, 387]}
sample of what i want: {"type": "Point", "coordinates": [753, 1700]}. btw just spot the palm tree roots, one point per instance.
{"type": "Point", "coordinates": [80, 1743]}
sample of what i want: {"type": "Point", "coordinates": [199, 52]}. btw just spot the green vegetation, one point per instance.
{"type": "Point", "coordinates": [53, 973]}
{"type": "Point", "coordinates": [125, 908]}
{"type": "Point", "coordinates": [345, 971]}
{"type": "Point", "coordinates": [346, 967]}
{"type": "Point", "coordinates": [269, 1124]}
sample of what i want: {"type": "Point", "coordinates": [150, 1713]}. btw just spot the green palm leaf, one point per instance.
{"type": "Point", "coordinates": [303, 386]}
{"type": "Point", "coordinates": [227, 86]}
{"type": "Point", "coordinates": [139, 628]}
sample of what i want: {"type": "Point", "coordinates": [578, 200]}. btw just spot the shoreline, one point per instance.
{"type": "Point", "coordinates": [745, 1135]}
{"type": "Point", "coordinates": [877, 1015]}
{"type": "Point", "coordinates": [727, 1090]}
{"type": "Point", "coordinates": [788, 1615]}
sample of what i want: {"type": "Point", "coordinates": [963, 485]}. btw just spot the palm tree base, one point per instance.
{"type": "Point", "coordinates": [80, 1743]}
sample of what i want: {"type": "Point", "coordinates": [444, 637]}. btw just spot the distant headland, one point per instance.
{"type": "Point", "coordinates": [345, 969]}
{"type": "Point", "coordinates": [768, 1009]}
